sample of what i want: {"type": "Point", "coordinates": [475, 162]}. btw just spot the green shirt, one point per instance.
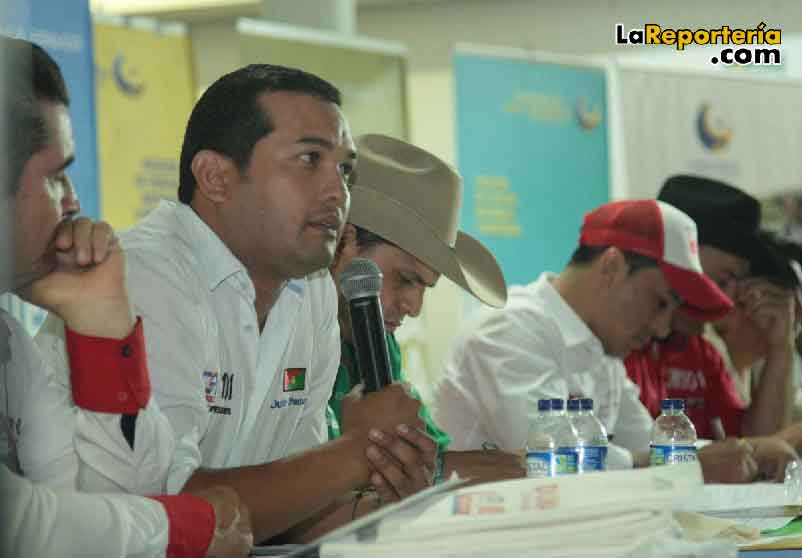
{"type": "Point", "coordinates": [346, 380]}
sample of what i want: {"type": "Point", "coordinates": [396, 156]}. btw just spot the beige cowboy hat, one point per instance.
{"type": "Point", "coordinates": [412, 199]}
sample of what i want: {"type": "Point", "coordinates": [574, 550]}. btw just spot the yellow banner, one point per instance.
{"type": "Point", "coordinates": [145, 92]}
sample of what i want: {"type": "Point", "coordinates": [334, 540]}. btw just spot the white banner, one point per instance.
{"type": "Point", "coordinates": [743, 130]}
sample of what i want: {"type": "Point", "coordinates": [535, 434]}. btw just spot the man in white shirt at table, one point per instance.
{"type": "Point", "coordinates": [563, 336]}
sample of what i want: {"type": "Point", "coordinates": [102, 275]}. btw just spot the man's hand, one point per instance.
{"type": "Point", "coordinates": [731, 461]}
{"type": "Point", "coordinates": [397, 457]}
{"type": "Point", "coordinates": [485, 465]}
{"type": "Point", "coordinates": [85, 284]}
{"type": "Point", "coordinates": [232, 530]}
{"type": "Point", "coordinates": [771, 308]}
{"type": "Point", "coordinates": [772, 455]}
{"type": "Point", "coordinates": [383, 410]}
{"type": "Point", "coordinates": [403, 462]}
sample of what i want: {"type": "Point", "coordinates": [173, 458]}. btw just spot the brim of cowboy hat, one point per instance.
{"type": "Point", "coordinates": [468, 264]}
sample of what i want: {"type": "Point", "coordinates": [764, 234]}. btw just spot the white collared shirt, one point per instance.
{"type": "Point", "coordinates": [53, 441]}
{"type": "Point", "coordinates": [535, 348]}
{"type": "Point", "coordinates": [227, 390]}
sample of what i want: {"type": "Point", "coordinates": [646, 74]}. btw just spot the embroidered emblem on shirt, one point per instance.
{"type": "Point", "coordinates": [228, 386]}
{"type": "Point", "coordinates": [211, 385]}
{"type": "Point", "coordinates": [294, 379]}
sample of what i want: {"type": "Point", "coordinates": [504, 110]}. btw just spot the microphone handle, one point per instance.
{"type": "Point", "coordinates": [370, 341]}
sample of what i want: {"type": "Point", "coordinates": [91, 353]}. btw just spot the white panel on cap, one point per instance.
{"type": "Point", "coordinates": [681, 245]}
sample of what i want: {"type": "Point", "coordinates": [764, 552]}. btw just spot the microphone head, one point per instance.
{"type": "Point", "coordinates": [360, 278]}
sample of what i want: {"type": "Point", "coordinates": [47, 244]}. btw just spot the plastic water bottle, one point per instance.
{"type": "Point", "coordinates": [673, 435]}
{"type": "Point", "coordinates": [540, 443]}
{"type": "Point", "coordinates": [591, 435]}
{"type": "Point", "coordinates": [566, 457]}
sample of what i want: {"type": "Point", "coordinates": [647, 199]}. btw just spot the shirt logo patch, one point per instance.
{"type": "Point", "coordinates": [294, 379]}
{"type": "Point", "coordinates": [211, 384]}
{"type": "Point", "coordinates": [228, 386]}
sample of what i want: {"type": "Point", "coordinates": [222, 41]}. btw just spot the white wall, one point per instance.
{"type": "Point", "coordinates": [579, 27]}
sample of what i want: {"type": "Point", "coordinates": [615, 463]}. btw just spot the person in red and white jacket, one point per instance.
{"type": "Point", "coordinates": [74, 268]}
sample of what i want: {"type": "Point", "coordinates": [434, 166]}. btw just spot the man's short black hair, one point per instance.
{"type": "Point", "coordinates": [584, 255]}
{"type": "Point", "coordinates": [228, 118]}
{"type": "Point", "coordinates": [29, 76]}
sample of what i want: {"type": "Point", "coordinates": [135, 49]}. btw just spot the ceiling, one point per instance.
{"type": "Point", "coordinates": [212, 9]}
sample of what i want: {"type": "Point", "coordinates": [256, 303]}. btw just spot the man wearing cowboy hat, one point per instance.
{"type": "Point", "coordinates": [564, 335]}
{"type": "Point", "coordinates": [735, 255]}
{"type": "Point", "coordinates": [405, 205]}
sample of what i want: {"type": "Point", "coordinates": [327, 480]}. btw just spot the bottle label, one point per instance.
{"type": "Point", "coordinates": [539, 464]}
{"type": "Point", "coordinates": [565, 461]}
{"type": "Point", "coordinates": [594, 458]}
{"type": "Point", "coordinates": [671, 455]}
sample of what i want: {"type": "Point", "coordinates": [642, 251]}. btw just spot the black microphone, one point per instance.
{"type": "Point", "coordinates": [361, 283]}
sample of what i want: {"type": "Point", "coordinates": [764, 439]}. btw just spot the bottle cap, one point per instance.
{"type": "Point", "coordinates": [544, 405]}
{"type": "Point", "coordinates": [587, 404]}
{"type": "Point", "coordinates": [679, 404]}
{"type": "Point", "coordinates": [666, 404]}
{"type": "Point", "coordinates": [574, 404]}
{"type": "Point", "coordinates": [557, 404]}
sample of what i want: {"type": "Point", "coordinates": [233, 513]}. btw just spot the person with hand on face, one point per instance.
{"type": "Point", "coordinates": [685, 365]}
{"type": "Point", "coordinates": [405, 206]}
{"type": "Point", "coordinates": [74, 268]}
{"type": "Point", "coordinates": [240, 311]}
{"type": "Point", "coordinates": [744, 337]}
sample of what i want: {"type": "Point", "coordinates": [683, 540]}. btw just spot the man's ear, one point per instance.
{"type": "Point", "coordinates": [347, 249]}
{"type": "Point", "coordinates": [215, 175]}
{"type": "Point", "coordinates": [613, 265]}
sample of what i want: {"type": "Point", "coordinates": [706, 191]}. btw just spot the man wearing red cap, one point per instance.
{"type": "Point", "coordinates": [563, 336]}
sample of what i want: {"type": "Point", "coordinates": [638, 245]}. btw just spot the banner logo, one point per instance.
{"type": "Point", "coordinates": [712, 127]}
{"type": "Point", "coordinates": [588, 118]}
{"type": "Point", "coordinates": [125, 76]}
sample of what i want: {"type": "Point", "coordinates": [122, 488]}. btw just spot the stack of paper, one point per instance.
{"type": "Point", "coordinates": [756, 516]}
{"type": "Point", "coordinates": [614, 514]}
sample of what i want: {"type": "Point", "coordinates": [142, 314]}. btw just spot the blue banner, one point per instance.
{"type": "Point", "coordinates": [64, 29]}
{"type": "Point", "coordinates": [532, 149]}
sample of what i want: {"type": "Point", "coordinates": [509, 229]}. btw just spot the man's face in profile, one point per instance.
{"type": "Point", "coordinates": [44, 198]}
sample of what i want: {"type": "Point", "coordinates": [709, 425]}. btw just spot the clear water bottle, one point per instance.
{"type": "Point", "coordinates": [673, 435]}
{"type": "Point", "coordinates": [591, 435]}
{"type": "Point", "coordinates": [540, 443]}
{"type": "Point", "coordinates": [566, 457]}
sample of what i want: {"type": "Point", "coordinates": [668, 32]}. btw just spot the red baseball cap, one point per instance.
{"type": "Point", "coordinates": [662, 232]}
